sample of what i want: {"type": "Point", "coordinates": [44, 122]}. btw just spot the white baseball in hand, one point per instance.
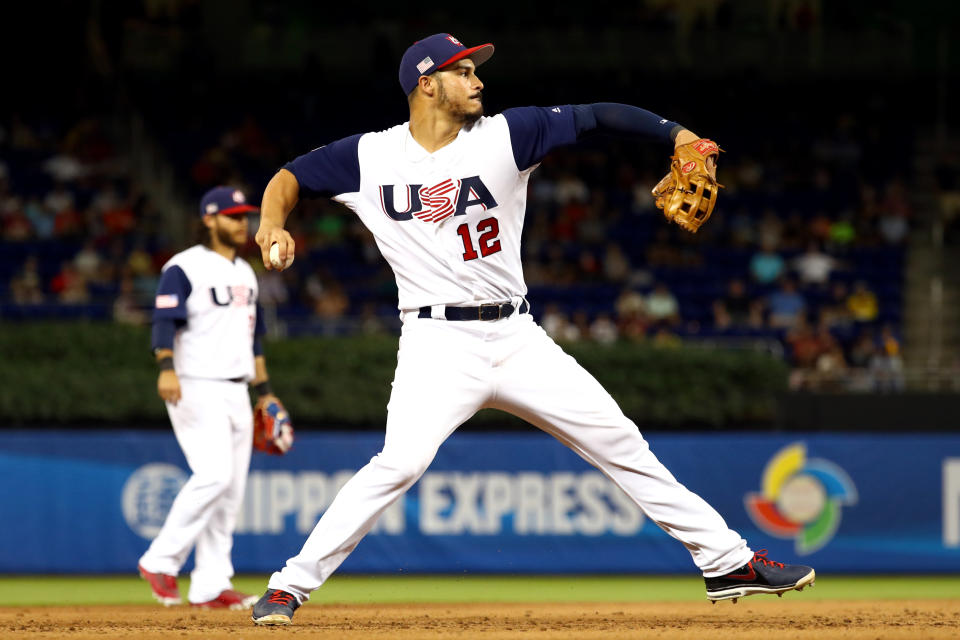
{"type": "Point", "coordinates": [275, 258]}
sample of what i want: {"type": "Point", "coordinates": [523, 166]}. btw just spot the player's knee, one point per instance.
{"type": "Point", "coordinates": [405, 470]}
{"type": "Point", "coordinates": [214, 484]}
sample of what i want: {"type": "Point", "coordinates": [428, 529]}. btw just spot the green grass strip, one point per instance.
{"type": "Point", "coordinates": [346, 589]}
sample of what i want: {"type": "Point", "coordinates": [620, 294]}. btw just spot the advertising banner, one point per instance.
{"type": "Point", "coordinates": [90, 502]}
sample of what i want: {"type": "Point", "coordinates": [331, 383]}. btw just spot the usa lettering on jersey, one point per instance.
{"type": "Point", "coordinates": [437, 202]}
{"type": "Point", "coordinates": [237, 296]}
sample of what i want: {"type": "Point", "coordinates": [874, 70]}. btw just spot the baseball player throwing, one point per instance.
{"type": "Point", "coordinates": [206, 332]}
{"type": "Point", "coordinates": [444, 195]}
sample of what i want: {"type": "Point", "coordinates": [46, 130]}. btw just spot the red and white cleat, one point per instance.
{"type": "Point", "coordinates": [228, 599]}
{"type": "Point", "coordinates": [164, 587]}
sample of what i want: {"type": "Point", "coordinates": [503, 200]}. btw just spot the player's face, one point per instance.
{"type": "Point", "coordinates": [460, 92]}
{"type": "Point", "coordinates": [230, 231]}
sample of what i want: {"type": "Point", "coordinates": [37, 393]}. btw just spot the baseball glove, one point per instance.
{"type": "Point", "coordinates": [272, 429]}
{"type": "Point", "coordinates": [688, 193]}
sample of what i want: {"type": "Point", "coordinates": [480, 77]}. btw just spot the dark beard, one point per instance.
{"type": "Point", "coordinates": [460, 115]}
{"type": "Point", "coordinates": [225, 238]}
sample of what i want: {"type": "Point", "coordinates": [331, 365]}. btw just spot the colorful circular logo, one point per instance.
{"type": "Point", "coordinates": [801, 498]}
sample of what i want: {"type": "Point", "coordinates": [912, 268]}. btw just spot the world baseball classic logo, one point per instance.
{"type": "Point", "coordinates": [801, 498]}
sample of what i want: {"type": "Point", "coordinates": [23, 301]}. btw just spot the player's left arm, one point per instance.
{"type": "Point", "coordinates": [626, 120]}
{"type": "Point", "coordinates": [535, 131]}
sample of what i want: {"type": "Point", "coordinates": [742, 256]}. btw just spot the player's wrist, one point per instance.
{"type": "Point", "coordinates": [263, 388]}
{"type": "Point", "coordinates": [165, 363]}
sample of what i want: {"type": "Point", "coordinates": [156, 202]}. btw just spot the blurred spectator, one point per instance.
{"type": "Point", "coordinates": [140, 265]}
{"type": "Point", "coordinates": [332, 302]}
{"type": "Point", "coordinates": [834, 312]}
{"type": "Point", "coordinates": [842, 232]}
{"type": "Point", "coordinates": [603, 330]}
{"type": "Point", "coordinates": [59, 199]}
{"type": "Point", "coordinates": [662, 307]}
{"type": "Point", "coordinates": [770, 231]}
{"type": "Point", "coordinates": [126, 307]}
{"type": "Point", "coordinates": [570, 188]}
{"type": "Point", "coordinates": [893, 228]}
{"type": "Point", "coordinates": [558, 325]}
{"type": "Point", "coordinates": [26, 287]}
{"type": "Point", "coordinates": [580, 322]}
{"type": "Point", "coordinates": [616, 264]}
{"type": "Point", "coordinates": [766, 266]}
{"type": "Point", "coordinates": [69, 285]}
{"type": "Point", "coordinates": [785, 306]}
{"type": "Point", "coordinates": [632, 321]}
{"type": "Point", "coordinates": [805, 344]}
{"type": "Point", "coordinates": [740, 229]}
{"type": "Point", "coordinates": [15, 223]}
{"type": "Point", "coordinates": [863, 350]}
{"type": "Point", "coordinates": [820, 227]}
{"type": "Point", "coordinates": [736, 309]}
{"type": "Point", "coordinates": [325, 295]}
{"type": "Point", "coordinates": [41, 218]}
{"type": "Point", "coordinates": [813, 267]}
{"type": "Point", "coordinates": [887, 364]}
{"type": "Point", "coordinates": [88, 262]}
{"type": "Point", "coordinates": [830, 365]}
{"type": "Point", "coordinates": [862, 303]}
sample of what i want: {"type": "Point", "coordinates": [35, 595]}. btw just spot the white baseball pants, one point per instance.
{"type": "Point", "coordinates": [213, 423]}
{"type": "Point", "coordinates": [446, 372]}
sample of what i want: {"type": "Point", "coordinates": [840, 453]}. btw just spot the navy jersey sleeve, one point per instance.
{"type": "Point", "coordinates": [169, 307]}
{"type": "Point", "coordinates": [259, 330]}
{"type": "Point", "coordinates": [624, 119]}
{"type": "Point", "coordinates": [535, 131]}
{"type": "Point", "coordinates": [329, 170]}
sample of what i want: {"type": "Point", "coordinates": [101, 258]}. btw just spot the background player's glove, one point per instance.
{"type": "Point", "coordinates": [688, 193]}
{"type": "Point", "coordinates": [272, 429]}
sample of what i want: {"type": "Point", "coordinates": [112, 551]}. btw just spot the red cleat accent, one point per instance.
{"type": "Point", "coordinates": [164, 586]}
{"type": "Point", "coordinates": [228, 599]}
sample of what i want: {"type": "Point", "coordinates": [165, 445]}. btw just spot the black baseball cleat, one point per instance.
{"type": "Point", "coordinates": [760, 575]}
{"type": "Point", "coordinates": [276, 607]}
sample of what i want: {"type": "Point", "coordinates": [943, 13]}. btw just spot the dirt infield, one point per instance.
{"type": "Point", "coordinates": [760, 618]}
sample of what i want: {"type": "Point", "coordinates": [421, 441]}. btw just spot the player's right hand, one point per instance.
{"type": "Point", "coordinates": [168, 386]}
{"type": "Point", "coordinates": [267, 235]}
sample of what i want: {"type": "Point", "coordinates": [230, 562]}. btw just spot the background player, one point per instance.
{"type": "Point", "coordinates": [444, 196]}
{"type": "Point", "coordinates": [206, 329]}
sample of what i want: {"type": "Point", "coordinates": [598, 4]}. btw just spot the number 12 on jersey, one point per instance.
{"type": "Point", "coordinates": [488, 242]}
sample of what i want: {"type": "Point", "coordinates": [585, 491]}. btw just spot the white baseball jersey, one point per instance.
{"type": "Point", "coordinates": [213, 301]}
{"type": "Point", "coordinates": [448, 222]}
{"type": "Point", "coordinates": [206, 311]}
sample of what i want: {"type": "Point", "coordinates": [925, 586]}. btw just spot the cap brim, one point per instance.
{"type": "Point", "coordinates": [479, 55]}
{"type": "Point", "coordinates": [240, 208]}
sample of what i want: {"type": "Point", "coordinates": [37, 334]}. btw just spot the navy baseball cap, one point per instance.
{"type": "Point", "coordinates": [224, 200]}
{"type": "Point", "coordinates": [435, 52]}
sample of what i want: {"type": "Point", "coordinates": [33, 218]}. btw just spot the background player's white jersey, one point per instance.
{"type": "Point", "coordinates": [448, 222]}
{"type": "Point", "coordinates": [213, 301]}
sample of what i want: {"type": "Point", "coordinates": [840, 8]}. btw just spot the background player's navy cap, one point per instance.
{"type": "Point", "coordinates": [224, 200]}
{"type": "Point", "coordinates": [425, 56]}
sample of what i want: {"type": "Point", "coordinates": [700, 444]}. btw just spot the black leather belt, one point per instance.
{"type": "Point", "coordinates": [236, 379]}
{"type": "Point", "coordinates": [493, 311]}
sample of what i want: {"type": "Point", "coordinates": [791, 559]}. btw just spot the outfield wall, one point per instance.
{"type": "Point", "coordinates": [76, 502]}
